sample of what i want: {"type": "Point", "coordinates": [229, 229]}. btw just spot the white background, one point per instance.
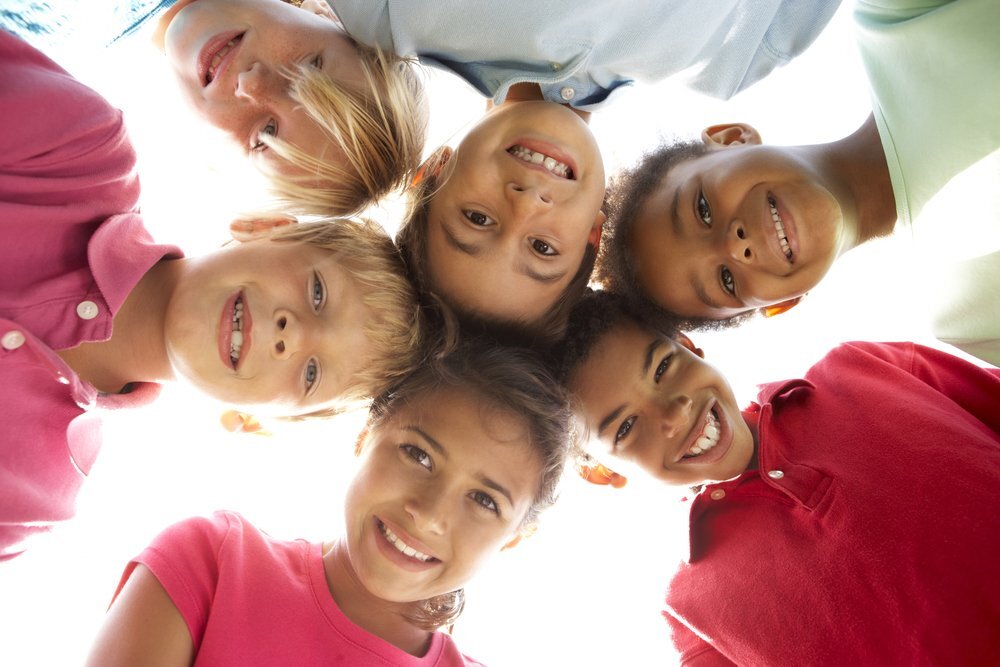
{"type": "Point", "coordinates": [586, 589]}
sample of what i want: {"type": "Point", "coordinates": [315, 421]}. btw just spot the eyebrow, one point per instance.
{"type": "Point", "coordinates": [647, 361]}
{"type": "Point", "coordinates": [522, 267]}
{"type": "Point", "coordinates": [437, 447]}
{"type": "Point", "coordinates": [675, 214]}
{"type": "Point", "coordinates": [702, 293]}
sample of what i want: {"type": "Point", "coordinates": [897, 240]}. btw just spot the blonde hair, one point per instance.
{"type": "Point", "coordinates": [380, 127]}
{"type": "Point", "coordinates": [396, 329]}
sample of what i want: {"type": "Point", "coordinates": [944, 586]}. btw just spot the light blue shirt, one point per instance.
{"type": "Point", "coordinates": [582, 52]}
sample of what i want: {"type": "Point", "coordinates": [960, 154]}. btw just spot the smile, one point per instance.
{"type": "Point", "coordinates": [402, 546]}
{"type": "Point", "coordinates": [779, 229]}
{"type": "Point", "coordinates": [553, 165]}
{"type": "Point", "coordinates": [707, 439]}
{"type": "Point", "coordinates": [234, 331]}
{"type": "Point", "coordinates": [236, 340]}
{"type": "Point", "coordinates": [216, 56]}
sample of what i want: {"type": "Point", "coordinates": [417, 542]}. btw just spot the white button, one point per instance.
{"type": "Point", "coordinates": [567, 93]}
{"type": "Point", "coordinates": [556, 67]}
{"type": "Point", "coordinates": [12, 340]}
{"type": "Point", "coordinates": [775, 474]}
{"type": "Point", "coordinates": [718, 494]}
{"type": "Point", "coordinates": [87, 310]}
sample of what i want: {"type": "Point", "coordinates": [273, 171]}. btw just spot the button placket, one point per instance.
{"type": "Point", "coordinates": [87, 310]}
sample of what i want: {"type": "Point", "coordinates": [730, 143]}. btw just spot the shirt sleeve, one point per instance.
{"type": "Point", "coordinates": [974, 388]}
{"type": "Point", "coordinates": [694, 651]}
{"type": "Point", "coordinates": [185, 559]}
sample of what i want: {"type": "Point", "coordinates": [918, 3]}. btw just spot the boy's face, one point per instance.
{"type": "Point", "coordinates": [445, 483]}
{"type": "Point", "coordinates": [739, 228]}
{"type": "Point", "coordinates": [521, 198]}
{"type": "Point", "coordinates": [654, 402]}
{"type": "Point", "coordinates": [300, 317]}
{"type": "Point", "coordinates": [228, 57]}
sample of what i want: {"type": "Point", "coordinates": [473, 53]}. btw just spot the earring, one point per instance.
{"type": "Point", "coordinates": [598, 473]}
{"type": "Point", "coordinates": [241, 422]}
{"type": "Point", "coordinates": [782, 307]}
{"type": "Point", "coordinates": [294, 3]}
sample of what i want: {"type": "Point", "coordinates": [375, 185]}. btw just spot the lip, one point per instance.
{"type": "Point", "coordinates": [396, 556]}
{"type": "Point", "coordinates": [717, 452]}
{"type": "Point", "coordinates": [787, 224]}
{"type": "Point", "coordinates": [226, 331]}
{"type": "Point", "coordinates": [209, 51]}
{"type": "Point", "coordinates": [549, 149]}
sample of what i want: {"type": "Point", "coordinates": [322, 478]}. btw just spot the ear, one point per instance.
{"type": "Point", "coordinates": [689, 344]}
{"type": "Point", "coordinates": [320, 8]}
{"type": "Point", "coordinates": [432, 166]}
{"type": "Point", "coordinates": [595, 231]}
{"type": "Point", "coordinates": [250, 229]}
{"type": "Point", "coordinates": [776, 309]}
{"type": "Point", "coordinates": [728, 135]}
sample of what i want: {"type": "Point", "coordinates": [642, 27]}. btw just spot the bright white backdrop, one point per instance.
{"type": "Point", "coordinates": [586, 589]}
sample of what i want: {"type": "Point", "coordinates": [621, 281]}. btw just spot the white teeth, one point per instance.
{"type": "Point", "coordinates": [534, 157]}
{"type": "Point", "coordinates": [709, 437]}
{"type": "Point", "coordinates": [217, 58]}
{"type": "Point", "coordinates": [779, 228]}
{"type": "Point", "coordinates": [402, 546]}
{"type": "Point", "coordinates": [236, 339]}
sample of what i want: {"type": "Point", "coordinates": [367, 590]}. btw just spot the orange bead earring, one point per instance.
{"type": "Point", "coordinates": [782, 307]}
{"type": "Point", "coordinates": [598, 473]}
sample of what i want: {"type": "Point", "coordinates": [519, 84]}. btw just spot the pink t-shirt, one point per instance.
{"type": "Point", "coordinates": [249, 599]}
{"type": "Point", "coordinates": [72, 247]}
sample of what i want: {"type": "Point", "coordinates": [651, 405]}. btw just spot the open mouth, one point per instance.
{"type": "Point", "coordinates": [402, 546]}
{"type": "Point", "coordinates": [216, 56]}
{"type": "Point", "coordinates": [234, 331]}
{"type": "Point", "coordinates": [779, 229]}
{"type": "Point", "coordinates": [708, 438]}
{"type": "Point", "coordinates": [540, 159]}
{"type": "Point", "coordinates": [236, 339]}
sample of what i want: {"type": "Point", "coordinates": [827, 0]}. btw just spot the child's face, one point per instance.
{"type": "Point", "coordinates": [444, 484]}
{"type": "Point", "coordinates": [654, 402]}
{"type": "Point", "coordinates": [228, 57]}
{"type": "Point", "coordinates": [519, 202]}
{"type": "Point", "coordinates": [302, 326]}
{"type": "Point", "coordinates": [706, 242]}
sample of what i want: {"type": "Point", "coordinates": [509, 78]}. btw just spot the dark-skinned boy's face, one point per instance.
{"type": "Point", "coordinates": [734, 230]}
{"type": "Point", "coordinates": [653, 401]}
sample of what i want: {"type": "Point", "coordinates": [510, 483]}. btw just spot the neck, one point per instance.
{"type": "Point", "coordinates": [380, 617]}
{"type": "Point", "coordinates": [136, 351]}
{"type": "Point", "coordinates": [532, 92]}
{"type": "Point", "coordinates": [858, 161]}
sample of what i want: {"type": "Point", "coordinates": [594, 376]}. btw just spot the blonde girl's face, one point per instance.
{"type": "Point", "coordinates": [519, 202]}
{"type": "Point", "coordinates": [444, 484]}
{"type": "Point", "coordinates": [229, 57]}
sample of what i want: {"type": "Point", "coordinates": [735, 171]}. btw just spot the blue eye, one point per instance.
{"type": "Point", "coordinates": [728, 283]}
{"type": "Point", "coordinates": [478, 219]}
{"type": "Point", "coordinates": [318, 292]}
{"type": "Point", "coordinates": [703, 209]}
{"type": "Point", "coordinates": [317, 62]}
{"type": "Point", "coordinates": [418, 455]}
{"type": "Point", "coordinates": [662, 367]}
{"type": "Point", "coordinates": [623, 431]}
{"type": "Point", "coordinates": [485, 501]}
{"type": "Point", "coordinates": [270, 129]}
{"type": "Point", "coordinates": [311, 374]}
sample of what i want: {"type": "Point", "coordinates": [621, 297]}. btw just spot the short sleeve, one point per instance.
{"type": "Point", "coordinates": [694, 651]}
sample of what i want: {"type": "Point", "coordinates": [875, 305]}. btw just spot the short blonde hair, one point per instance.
{"type": "Point", "coordinates": [396, 329]}
{"type": "Point", "coordinates": [380, 127]}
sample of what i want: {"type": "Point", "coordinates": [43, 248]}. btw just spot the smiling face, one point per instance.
{"type": "Point", "coordinates": [739, 228]}
{"type": "Point", "coordinates": [652, 401]}
{"type": "Point", "coordinates": [229, 57]}
{"type": "Point", "coordinates": [444, 484]}
{"type": "Point", "coordinates": [274, 326]}
{"type": "Point", "coordinates": [520, 200]}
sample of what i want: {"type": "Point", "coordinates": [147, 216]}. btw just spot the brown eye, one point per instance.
{"type": "Point", "coordinates": [704, 211]}
{"type": "Point", "coordinates": [543, 248]}
{"type": "Point", "coordinates": [728, 284]}
{"type": "Point", "coordinates": [478, 219]}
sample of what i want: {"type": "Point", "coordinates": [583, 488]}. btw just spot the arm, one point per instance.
{"type": "Point", "coordinates": [143, 627]}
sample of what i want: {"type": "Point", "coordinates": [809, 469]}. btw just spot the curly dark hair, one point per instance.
{"type": "Point", "coordinates": [514, 380]}
{"type": "Point", "coordinates": [412, 242]}
{"type": "Point", "coordinates": [626, 195]}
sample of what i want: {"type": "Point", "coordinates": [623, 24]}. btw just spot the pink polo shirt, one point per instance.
{"type": "Point", "coordinates": [870, 533]}
{"type": "Point", "coordinates": [73, 247]}
{"type": "Point", "coordinates": [249, 599]}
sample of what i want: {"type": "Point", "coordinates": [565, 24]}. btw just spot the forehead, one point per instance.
{"type": "Point", "coordinates": [614, 366]}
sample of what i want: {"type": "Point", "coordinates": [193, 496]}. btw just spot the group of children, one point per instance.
{"type": "Point", "coordinates": [821, 530]}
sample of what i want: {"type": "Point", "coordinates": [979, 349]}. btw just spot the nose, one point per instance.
{"type": "Point", "coordinates": [527, 199]}
{"type": "Point", "coordinates": [429, 510]}
{"type": "Point", "coordinates": [289, 335]}
{"type": "Point", "coordinates": [737, 243]}
{"type": "Point", "coordinates": [258, 83]}
{"type": "Point", "coordinates": [675, 414]}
